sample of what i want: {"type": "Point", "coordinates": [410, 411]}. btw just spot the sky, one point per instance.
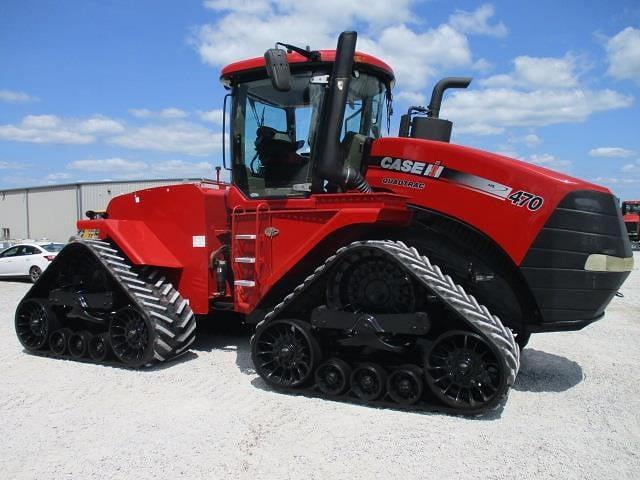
{"type": "Point", "coordinates": [121, 89]}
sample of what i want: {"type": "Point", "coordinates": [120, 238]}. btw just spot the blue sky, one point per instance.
{"type": "Point", "coordinates": [112, 89]}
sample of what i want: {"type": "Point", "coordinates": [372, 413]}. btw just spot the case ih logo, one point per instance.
{"type": "Point", "coordinates": [433, 170]}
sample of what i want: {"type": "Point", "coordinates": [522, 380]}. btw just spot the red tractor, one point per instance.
{"type": "Point", "coordinates": [394, 271]}
{"type": "Point", "coordinates": [631, 216]}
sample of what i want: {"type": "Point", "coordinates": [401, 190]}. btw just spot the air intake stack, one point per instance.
{"type": "Point", "coordinates": [427, 124]}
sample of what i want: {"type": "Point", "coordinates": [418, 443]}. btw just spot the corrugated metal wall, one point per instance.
{"type": "Point", "coordinates": [52, 212]}
{"type": "Point", "coordinates": [13, 213]}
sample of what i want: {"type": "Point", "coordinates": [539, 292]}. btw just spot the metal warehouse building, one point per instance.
{"type": "Point", "coordinates": [51, 212]}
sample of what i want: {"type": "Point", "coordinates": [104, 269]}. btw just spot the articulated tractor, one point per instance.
{"type": "Point", "coordinates": [395, 271]}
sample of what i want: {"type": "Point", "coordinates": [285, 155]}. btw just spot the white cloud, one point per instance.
{"type": "Point", "coordinates": [538, 72]}
{"type": "Point", "coordinates": [12, 96]}
{"type": "Point", "coordinates": [123, 168]}
{"type": "Point", "coordinates": [100, 124]}
{"type": "Point", "coordinates": [633, 168]}
{"type": "Point", "coordinates": [244, 29]}
{"type": "Point", "coordinates": [531, 140]}
{"type": "Point", "coordinates": [108, 165]}
{"type": "Point", "coordinates": [170, 113]}
{"type": "Point", "coordinates": [10, 165]}
{"type": "Point", "coordinates": [53, 129]}
{"type": "Point", "coordinates": [611, 152]}
{"type": "Point", "coordinates": [623, 52]}
{"type": "Point", "coordinates": [477, 22]}
{"type": "Point", "coordinates": [53, 177]}
{"type": "Point", "coordinates": [212, 116]}
{"type": "Point", "coordinates": [180, 168]}
{"type": "Point", "coordinates": [180, 137]}
{"type": "Point", "coordinates": [490, 111]}
{"type": "Point", "coordinates": [548, 161]}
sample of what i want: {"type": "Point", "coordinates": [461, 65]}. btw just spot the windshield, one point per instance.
{"type": "Point", "coordinates": [630, 208]}
{"type": "Point", "coordinates": [274, 132]}
{"type": "Point", "coordinates": [52, 247]}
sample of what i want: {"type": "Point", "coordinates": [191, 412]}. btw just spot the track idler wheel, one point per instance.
{"type": "Point", "coordinates": [59, 340]}
{"type": "Point", "coordinates": [285, 353]}
{"type": "Point", "coordinates": [130, 335]}
{"type": "Point", "coordinates": [34, 321]}
{"type": "Point", "coordinates": [368, 381]}
{"type": "Point", "coordinates": [98, 347]}
{"type": "Point", "coordinates": [332, 377]}
{"type": "Point", "coordinates": [464, 372]}
{"type": "Point", "coordinates": [78, 344]}
{"type": "Point", "coordinates": [405, 385]}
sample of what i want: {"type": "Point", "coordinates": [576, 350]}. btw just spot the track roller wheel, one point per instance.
{"type": "Point", "coordinates": [34, 322]}
{"type": "Point", "coordinates": [332, 377]}
{"type": "Point", "coordinates": [58, 341]}
{"type": "Point", "coordinates": [285, 353]}
{"type": "Point", "coordinates": [98, 347]}
{"type": "Point", "coordinates": [78, 344]}
{"type": "Point", "coordinates": [368, 381]}
{"type": "Point", "coordinates": [405, 385]}
{"type": "Point", "coordinates": [130, 337]}
{"type": "Point", "coordinates": [464, 372]}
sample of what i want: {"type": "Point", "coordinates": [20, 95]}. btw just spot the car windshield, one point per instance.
{"type": "Point", "coordinates": [52, 247]}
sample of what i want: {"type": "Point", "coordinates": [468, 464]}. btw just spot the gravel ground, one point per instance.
{"type": "Point", "coordinates": [573, 413]}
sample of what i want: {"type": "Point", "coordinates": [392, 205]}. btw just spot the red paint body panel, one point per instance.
{"type": "Point", "coordinates": [157, 227]}
{"type": "Point", "coordinates": [301, 223]}
{"type": "Point", "coordinates": [512, 228]}
{"type": "Point", "coordinates": [325, 56]}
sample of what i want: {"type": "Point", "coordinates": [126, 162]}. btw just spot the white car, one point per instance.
{"type": "Point", "coordinates": [28, 259]}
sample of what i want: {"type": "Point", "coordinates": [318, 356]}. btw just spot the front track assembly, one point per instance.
{"type": "Point", "coordinates": [92, 304]}
{"type": "Point", "coordinates": [378, 323]}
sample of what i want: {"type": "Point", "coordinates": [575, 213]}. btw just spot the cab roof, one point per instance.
{"type": "Point", "coordinates": [326, 56]}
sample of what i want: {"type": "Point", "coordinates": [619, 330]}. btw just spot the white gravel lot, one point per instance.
{"type": "Point", "coordinates": [574, 413]}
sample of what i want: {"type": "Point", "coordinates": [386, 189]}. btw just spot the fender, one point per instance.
{"type": "Point", "coordinates": [506, 199]}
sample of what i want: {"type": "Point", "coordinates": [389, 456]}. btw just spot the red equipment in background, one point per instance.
{"type": "Point", "coordinates": [631, 216]}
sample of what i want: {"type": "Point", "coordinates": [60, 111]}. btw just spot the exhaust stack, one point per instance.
{"type": "Point", "coordinates": [330, 164]}
{"type": "Point", "coordinates": [429, 126]}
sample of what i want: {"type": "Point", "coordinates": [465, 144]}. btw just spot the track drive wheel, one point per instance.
{"type": "Point", "coordinates": [285, 353]}
{"type": "Point", "coordinates": [405, 385]}
{"type": "Point", "coordinates": [368, 381]}
{"type": "Point", "coordinates": [34, 322]}
{"type": "Point", "coordinates": [332, 377]}
{"type": "Point", "coordinates": [464, 372]}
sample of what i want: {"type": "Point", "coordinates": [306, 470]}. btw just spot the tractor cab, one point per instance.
{"type": "Point", "coordinates": [280, 133]}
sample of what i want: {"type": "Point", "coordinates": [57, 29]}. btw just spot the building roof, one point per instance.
{"type": "Point", "coordinates": [105, 182]}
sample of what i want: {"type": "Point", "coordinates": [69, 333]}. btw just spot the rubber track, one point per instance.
{"type": "Point", "coordinates": [476, 315]}
{"type": "Point", "coordinates": [172, 319]}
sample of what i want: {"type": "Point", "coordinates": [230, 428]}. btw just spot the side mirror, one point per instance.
{"type": "Point", "coordinates": [278, 69]}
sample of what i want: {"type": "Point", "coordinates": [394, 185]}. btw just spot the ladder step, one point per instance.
{"type": "Point", "coordinates": [246, 236]}
{"type": "Point", "coordinates": [244, 283]}
{"type": "Point", "coordinates": [245, 260]}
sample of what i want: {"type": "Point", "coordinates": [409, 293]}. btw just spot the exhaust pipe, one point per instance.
{"type": "Point", "coordinates": [429, 126]}
{"type": "Point", "coordinates": [438, 92]}
{"type": "Point", "coordinates": [330, 161]}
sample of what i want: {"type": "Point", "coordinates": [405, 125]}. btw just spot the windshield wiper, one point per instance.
{"type": "Point", "coordinates": [312, 55]}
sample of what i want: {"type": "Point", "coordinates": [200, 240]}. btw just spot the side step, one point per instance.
{"type": "Point", "coordinates": [244, 283]}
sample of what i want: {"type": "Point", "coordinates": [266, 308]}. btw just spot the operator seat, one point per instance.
{"type": "Point", "coordinates": [354, 147]}
{"type": "Point", "coordinates": [282, 166]}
